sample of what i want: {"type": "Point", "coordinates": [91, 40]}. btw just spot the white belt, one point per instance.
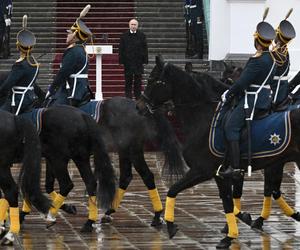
{"type": "Point", "coordinates": [193, 6]}
{"type": "Point", "coordinates": [79, 76]}
{"type": "Point", "coordinates": [22, 88]}
{"type": "Point", "coordinates": [258, 86]}
{"type": "Point", "coordinates": [281, 78]}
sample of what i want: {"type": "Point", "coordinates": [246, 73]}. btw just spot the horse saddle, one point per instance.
{"type": "Point", "coordinates": [35, 116]}
{"type": "Point", "coordinates": [93, 109]}
{"type": "Point", "coordinates": [269, 136]}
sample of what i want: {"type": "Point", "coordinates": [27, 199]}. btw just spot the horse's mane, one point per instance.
{"type": "Point", "coordinates": [203, 84]}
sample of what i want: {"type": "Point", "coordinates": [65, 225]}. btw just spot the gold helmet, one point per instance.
{"type": "Point", "coordinates": [79, 27]}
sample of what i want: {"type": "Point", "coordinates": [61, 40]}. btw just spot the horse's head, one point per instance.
{"type": "Point", "coordinates": [157, 91]}
{"type": "Point", "coordinates": [230, 74]}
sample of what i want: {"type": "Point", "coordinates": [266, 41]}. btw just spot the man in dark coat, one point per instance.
{"type": "Point", "coordinates": [5, 22]}
{"type": "Point", "coordinates": [133, 53]}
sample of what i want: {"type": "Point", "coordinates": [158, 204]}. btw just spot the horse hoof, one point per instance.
{"type": "Point", "coordinates": [157, 220]}
{"type": "Point", "coordinates": [2, 232]}
{"type": "Point", "coordinates": [69, 208]}
{"type": "Point", "coordinates": [245, 217]}
{"type": "Point", "coordinates": [172, 229]}
{"type": "Point", "coordinates": [296, 216]}
{"type": "Point", "coordinates": [106, 219]}
{"type": "Point", "coordinates": [258, 223]}
{"type": "Point", "coordinates": [224, 243]}
{"type": "Point", "coordinates": [8, 240]}
{"type": "Point", "coordinates": [22, 216]}
{"type": "Point", "coordinates": [87, 227]}
{"type": "Point", "coordinates": [50, 224]}
{"type": "Point", "coordinates": [224, 230]}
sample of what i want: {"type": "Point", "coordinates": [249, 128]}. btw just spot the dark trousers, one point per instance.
{"type": "Point", "coordinates": [133, 79]}
{"type": "Point", "coordinates": [4, 43]}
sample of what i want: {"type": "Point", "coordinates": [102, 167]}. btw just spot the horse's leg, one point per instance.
{"type": "Point", "coordinates": [60, 168]}
{"type": "Point", "coordinates": [237, 194]}
{"type": "Point", "coordinates": [84, 167]}
{"type": "Point", "coordinates": [267, 203]}
{"type": "Point", "coordinates": [190, 179]}
{"type": "Point", "coordinates": [49, 186]}
{"type": "Point", "coordinates": [10, 190]}
{"type": "Point", "coordinates": [143, 170]}
{"type": "Point", "coordinates": [3, 214]}
{"type": "Point", "coordinates": [124, 181]}
{"type": "Point", "coordinates": [225, 192]}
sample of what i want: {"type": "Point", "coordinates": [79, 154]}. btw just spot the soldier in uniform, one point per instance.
{"type": "Point", "coordinates": [19, 85]}
{"type": "Point", "coordinates": [188, 34]}
{"type": "Point", "coordinates": [133, 53]}
{"type": "Point", "coordinates": [5, 22]}
{"type": "Point", "coordinates": [197, 21]}
{"type": "Point", "coordinates": [252, 91]}
{"type": "Point", "coordinates": [70, 85]}
{"type": "Point", "coordinates": [285, 32]}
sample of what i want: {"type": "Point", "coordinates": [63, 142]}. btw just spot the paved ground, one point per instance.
{"type": "Point", "coordinates": [198, 213]}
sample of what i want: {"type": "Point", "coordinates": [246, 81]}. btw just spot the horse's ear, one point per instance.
{"type": "Point", "coordinates": [159, 61]}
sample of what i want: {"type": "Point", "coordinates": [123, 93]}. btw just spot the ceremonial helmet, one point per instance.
{"type": "Point", "coordinates": [79, 27]}
{"type": "Point", "coordinates": [25, 38]}
{"type": "Point", "coordinates": [264, 33]}
{"type": "Point", "coordinates": [285, 32]}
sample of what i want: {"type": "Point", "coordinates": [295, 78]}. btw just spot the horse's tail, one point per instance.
{"type": "Point", "coordinates": [174, 164]}
{"type": "Point", "coordinates": [104, 170]}
{"type": "Point", "coordinates": [31, 167]}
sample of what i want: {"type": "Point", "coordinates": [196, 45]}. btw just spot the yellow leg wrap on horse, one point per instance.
{"type": "Point", "coordinates": [233, 231]}
{"type": "Point", "coordinates": [59, 200]}
{"type": "Point", "coordinates": [170, 207]}
{"type": "Point", "coordinates": [155, 199]}
{"type": "Point", "coordinates": [93, 210]}
{"type": "Point", "coordinates": [26, 206]}
{"type": "Point", "coordinates": [14, 220]}
{"type": "Point", "coordinates": [53, 195]}
{"type": "Point", "coordinates": [117, 199]}
{"type": "Point", "coordinates": [285, 207]}
{"type": "Point", "coordinates": [237, 205]}
{"type": "Point", "coordinates": [3, 209]}
{"type": "Point", "coordinates": [266, 211]}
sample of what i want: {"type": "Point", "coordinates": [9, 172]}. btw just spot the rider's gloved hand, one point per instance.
{"type": "Point", "coordinates": [223, 96]}
{"type": "Point", "coordinates": [7, 21]}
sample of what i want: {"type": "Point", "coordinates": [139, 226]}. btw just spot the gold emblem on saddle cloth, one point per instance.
{"type": "Point", "coordinates": [274, 139]}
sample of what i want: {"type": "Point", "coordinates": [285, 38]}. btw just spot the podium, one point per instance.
{"type": "Point", "coordinates": [99, 50]}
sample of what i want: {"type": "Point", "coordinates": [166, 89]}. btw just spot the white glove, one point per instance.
{"type": "Point", "coordinates": [47, 95]}
{"type": "Point", "coordinates": [223, 96]}
{"type": "Point", "coordinates": [8, 22]}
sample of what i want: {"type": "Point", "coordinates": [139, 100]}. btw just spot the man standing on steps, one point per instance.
{"type": "Point", "coordinates": [133, 54]}
{"type": "Point", "coordinates": [5, 22]}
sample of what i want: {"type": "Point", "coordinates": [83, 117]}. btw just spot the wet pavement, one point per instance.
{"type": "Point", "coordinates": [198, 213]}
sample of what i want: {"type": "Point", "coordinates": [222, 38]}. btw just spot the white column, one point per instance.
{"type": "Point", "coordinates": [99, 50]}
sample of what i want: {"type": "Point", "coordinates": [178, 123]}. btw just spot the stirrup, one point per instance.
{"type": "Point", "coordinates": [230, 172]}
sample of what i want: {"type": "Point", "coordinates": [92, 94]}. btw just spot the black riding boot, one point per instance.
{"type": "Point", "coordinates": [233, 171]}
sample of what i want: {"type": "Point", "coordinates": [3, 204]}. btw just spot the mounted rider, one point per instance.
{"type": "Point", "coordinates": [20, 83]}
{"type": "Point", "coordinates": [285, 32]}
{"type": "Point", "coordinates": [70, 85]}
{"type": "Point", "coordinates": [252, 93]}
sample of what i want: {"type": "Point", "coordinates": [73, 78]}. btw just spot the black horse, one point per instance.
{"type": "Point", "coordinates": [127, 131]}
{"type": "Point", "coordinates": [195, 103]}
{"type": "Point", "coordinates": [69, 134]}
{"type": "Point", "coordinates": [19, 143]}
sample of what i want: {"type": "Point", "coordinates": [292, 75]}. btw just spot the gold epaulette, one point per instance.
{"type": "Point", "coordinates": [257, 54]}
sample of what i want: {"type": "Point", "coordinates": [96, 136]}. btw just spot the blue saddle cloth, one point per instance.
{"type": "Point", "coordinates": [269, 136]}
{"type": "Point", "coordinates": [93, 109]}
{"type": "Point", "coordinates": [35, 116]}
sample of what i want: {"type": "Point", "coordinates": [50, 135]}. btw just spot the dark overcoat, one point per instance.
{"type": "Point", "coordinates": [133, 52]}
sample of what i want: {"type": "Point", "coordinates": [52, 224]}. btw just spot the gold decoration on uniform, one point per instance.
{"type": "Point", "coordinates": [274, 139]}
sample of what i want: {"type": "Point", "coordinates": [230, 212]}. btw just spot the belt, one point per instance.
{"type": "Point", "coordinates": [258, 86]}
{"type": "Point", "coordinates": [283, 78]}
{"type": "Point", "coordinates": [79, 76]}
